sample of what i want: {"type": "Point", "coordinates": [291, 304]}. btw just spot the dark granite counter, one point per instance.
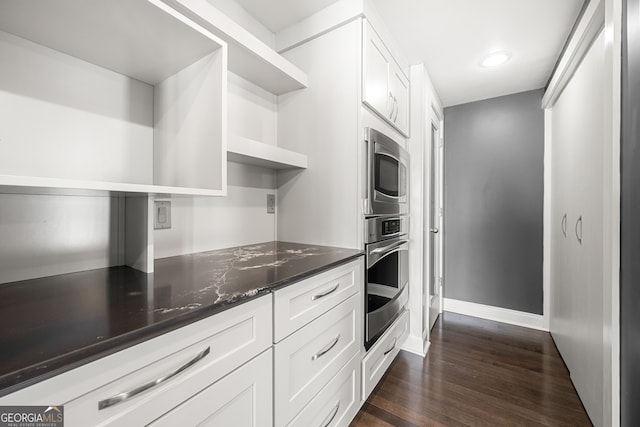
{"type": "Point", "coordinates": [53, 324]}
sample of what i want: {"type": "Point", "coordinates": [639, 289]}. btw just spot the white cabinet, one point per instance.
{"type": "Point", "coordinates": [385, 87]}
{"type": "Point", "coordinates": [318, 338]}
{"type": "Point", "coordinates": [380, 356]}
{"type": "Point", "coordinates": [241, 399]}
{"type": "Point", "coordinates": [137, 104]}
{"type": "Point", "coordinates": [119, 389]}
{"type": "Point", "coordinates": [107, 111]}
{"type": "Point", "coordinates": [577, 229]}
{"type": "Point", "coordinates": [308, 359]}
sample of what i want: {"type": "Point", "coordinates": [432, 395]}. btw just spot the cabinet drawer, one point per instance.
{"type": "Point", "coordinates": [380, 356]}
{"type": "Point", "coordinates": [299, 304]}
{"type": "Point", "coordinates": [337, 403]}
{"type": "Point", "coordinates": [242, 399]}
{"type": "Point", "coordinates": [308, 359]}
{"type": "Point", "coordinates": [236, 336]}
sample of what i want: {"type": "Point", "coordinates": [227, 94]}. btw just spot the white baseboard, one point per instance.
{"type": "Point", "coordinates": [498, 314]}
{"type": "Point", "coordinates": [415, 345]}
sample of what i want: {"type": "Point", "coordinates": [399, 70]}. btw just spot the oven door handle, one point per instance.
{"type": "Point", "coordinates": [389, 247]}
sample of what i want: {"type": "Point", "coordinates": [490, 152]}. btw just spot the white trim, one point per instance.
{"type": "Point", "coordinates": [611, 218]}
{"type": "Point", "coordinates": [498, 314]}
{"type": "Point", "coordinates": [587, 30]}
{"type": "Point", "coordinates": [546, 232]}
{"type": "Point", "coordinates": [415, 345]}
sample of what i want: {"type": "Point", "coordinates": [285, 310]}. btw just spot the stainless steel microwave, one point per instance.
{"type": "Point", "coordinates": [387, 175]}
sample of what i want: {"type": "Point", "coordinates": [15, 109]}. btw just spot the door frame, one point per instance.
{"type": "Point", "coordinates": [435, 121]}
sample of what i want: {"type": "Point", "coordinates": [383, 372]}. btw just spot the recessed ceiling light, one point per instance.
{"type": "Point", "coordinates": [495, 59]}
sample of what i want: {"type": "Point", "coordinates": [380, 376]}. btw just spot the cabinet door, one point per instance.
{"type": "Point", "coordinates": [400, 92]}
{"type": "Point", "coordinates": [241, 399]}
{"type": "Point", "coordinates": [375, 73]}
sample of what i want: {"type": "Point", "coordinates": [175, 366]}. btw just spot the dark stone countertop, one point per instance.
{"type": "Point", "coordinates": [53, 324]}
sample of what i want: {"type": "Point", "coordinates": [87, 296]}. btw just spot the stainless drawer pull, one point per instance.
{"type": "Point", "coordinates": [332, 415]}
{"type": "Point", "coordinates": [324, 294]}
{"type": "Point", "coordinates": [392, 347]}
{"type": "Point", "coordinates": [327, 349]}
{"type": "Point", "coordinates": [132, 393]}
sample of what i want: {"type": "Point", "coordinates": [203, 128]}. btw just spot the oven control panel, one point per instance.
{"type": "Point", "coordinates": [390, 226]}
{"type": "Point", "coordinates": [382, 228]}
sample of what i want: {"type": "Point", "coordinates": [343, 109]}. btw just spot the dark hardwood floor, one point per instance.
{"type": "Point", "coordinates": [477, 373]}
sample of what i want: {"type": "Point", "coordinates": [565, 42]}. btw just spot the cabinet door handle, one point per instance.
{"type": "Point", "coordinates": [331, 416]}
{"type": "Point", "coordinates": [324, 294]}
{"type": "Point", "coordinates": [563, 225]}
{"type": "Point", "coordinates": [118, 398]}
{"type": "Point", "coordinates": [395, 102]}
{"type": "Point", "coordinates": [579, 236]}
{"type": "Point", "coordinates": [327, 349]}
{"type": "Point", "coordinates": [391, 106]}
{"type": "Point", "coordinates": [395, 340]}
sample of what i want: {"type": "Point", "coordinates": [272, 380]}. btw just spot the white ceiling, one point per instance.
{"type": "Point", "coordinates": [451, 37]}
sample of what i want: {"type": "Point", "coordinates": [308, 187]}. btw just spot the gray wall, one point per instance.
{"type": "Point", "coordinates": [493, 197]}
{"type": "Point", "coordinates": [629, 214]}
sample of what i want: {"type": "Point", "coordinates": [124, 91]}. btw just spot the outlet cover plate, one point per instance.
{"type": "Point", "coordinates": [161, 215]}
{"type": "Point", "coordinates": [271, 203]}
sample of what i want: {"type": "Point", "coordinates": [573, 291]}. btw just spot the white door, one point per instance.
{"type": "Point", "coordinates": [433, 229]}
{"type": "Point", "coordinates": [577, 321]}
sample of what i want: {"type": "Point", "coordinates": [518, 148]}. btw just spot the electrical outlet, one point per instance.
{"type": "Point", "coordinates": [161, 215]}
{"type": "Point", "coordinates": [271, 203]}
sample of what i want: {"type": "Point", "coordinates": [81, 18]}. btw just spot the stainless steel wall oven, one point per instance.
{"type": "Point", "coordinates": [386, 234]}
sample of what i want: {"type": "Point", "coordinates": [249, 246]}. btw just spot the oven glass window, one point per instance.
{"type": "Point", "coordinates": [387, 175]}
{"type": "Point", "coordinates": [390, 176]}
{"type": "Point", "coordinates": [392, 273]}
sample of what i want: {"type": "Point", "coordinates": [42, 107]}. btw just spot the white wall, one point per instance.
{"type": "Point", "coordinates": [202, 224]}
{"type": "Point", "coordinates": [252, 111]}
{"type": "Point", "coordinates": [46, 235]}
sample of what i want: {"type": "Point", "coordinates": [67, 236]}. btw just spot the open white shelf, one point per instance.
{"type": "Point", "coordinates": [248, 151]}
{"type": "Point", "coordinates": [55, 186]}
{"type": "Point", "coordinates": [145, 40]}
{"type": "Point", "coordinates": [249, 57]}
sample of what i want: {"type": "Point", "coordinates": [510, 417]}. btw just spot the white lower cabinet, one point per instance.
{"type": "Point", "coordinates": [137, 385]}
{"type": "Point", "coordinates": [307, 360]}
{"type": "Point", "coordinates": [337, 403]}
{"type": "Point", "coordinates": [241, 399]}
{"type": "Point", "coordinates": [228, 369]}
{"type": "Point", "coordinates": [380, 356]}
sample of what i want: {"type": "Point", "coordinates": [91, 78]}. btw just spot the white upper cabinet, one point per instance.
{"type": "Point", "coordinates": [385, 88]}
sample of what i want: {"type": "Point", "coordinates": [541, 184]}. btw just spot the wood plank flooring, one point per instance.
{"type": "Point", "coordinates": [477, 373]}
